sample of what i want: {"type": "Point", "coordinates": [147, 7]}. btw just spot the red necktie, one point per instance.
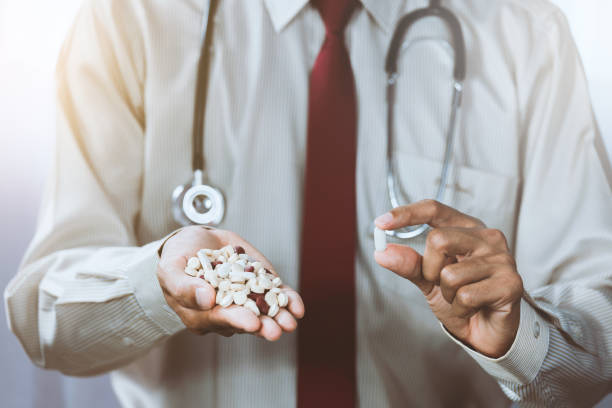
{"type": "Point", "coordinates": [326, 337]}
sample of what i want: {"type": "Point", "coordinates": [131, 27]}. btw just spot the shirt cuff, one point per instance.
{"type": "Point", "coordinates": [142, 275]}
{"type": "Point", "coordinates": [522, 362]}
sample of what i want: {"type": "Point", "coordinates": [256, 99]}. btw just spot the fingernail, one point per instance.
{"type": "Point", "coordinates": [202, 299]}
{"type": "Point", "coordinates": [384, 219]}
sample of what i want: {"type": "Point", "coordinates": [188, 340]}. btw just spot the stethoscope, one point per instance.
{"type": "Point", "coordinates": [198, 203]}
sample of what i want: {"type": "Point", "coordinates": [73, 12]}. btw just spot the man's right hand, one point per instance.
{"type": "Point", "coordinates": [193, 299]}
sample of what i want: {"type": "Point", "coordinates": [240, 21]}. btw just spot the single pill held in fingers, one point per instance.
{"type": "Point", "coordinates": [380, 239]}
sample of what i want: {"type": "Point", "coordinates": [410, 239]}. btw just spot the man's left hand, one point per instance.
{"type": "Point", "coordinates": [467, 274]}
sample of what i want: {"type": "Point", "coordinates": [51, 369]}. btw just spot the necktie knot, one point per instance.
{"type": "Point", "coordinates": [335, 13]}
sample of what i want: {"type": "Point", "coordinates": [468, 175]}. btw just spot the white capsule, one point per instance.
{"type": "Point", "coordinates": [257, 288]}
{"type": "Point", "coordinates": [227, 300]}
{"type": "Point", "coordinates": [223, 270]}
{"type": "Point", "coordinates": [194, 263]}
{"type": "Point", "coordinates": [190, 271]}
{"type": "Point", "coordinates": [276, 290]}
{"type": "Point", "coordinates": [220, 295]}
{"type": "Point", "coordinates": [265, 283]}
{"type": "Point", "coordinates": [233, 258]}
{"type": "Point", "coordinates": [228, 250]}
{"type": "Point", "coordinates": [244, 256]}
{"type": "Point", "coordinates": [204, 261]}
{"type": "Point", "coordinates": [277, 282]}
{"type": "Point", "coordinates": [209, 275]}
{"type": "Point", "coordinates": [257, 265]}
{"type": "Point", "coordinates": [248, 275]}
{"type": "Point", "coordinates": [242, 262]}
{"type": "Point", "coordinates": [239, 297]}
{"type": "Point", "coordinates": [237, 278]}
{"type": "Point", "coordinates": [380, 239]}
{"type": "Point", "coordinates": [237, 268]}
{"type": "Point", "coordinates": [221, 258]}
{"type": "Point", "coordinates": [236, 287]}
{"type": "Point", "coordinates": [273, 311]}
{"type": "Point", "coordinates": [270, 298]}
{"type": "Point", "coordinates": [224, 285]}
{"type": "Point", "coordinates": [283, 299]}
{"type": "Point", "coordinates": [252, 306]}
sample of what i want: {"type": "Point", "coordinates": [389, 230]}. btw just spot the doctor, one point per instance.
{"type": "Point", "coordinates": [508, 296]}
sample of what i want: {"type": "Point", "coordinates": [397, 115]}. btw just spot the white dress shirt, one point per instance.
{"type": "Point", "coordinates": [528, 160]}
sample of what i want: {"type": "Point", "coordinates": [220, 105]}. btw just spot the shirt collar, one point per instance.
{"type": "Point", "coordinates": [385, 13]}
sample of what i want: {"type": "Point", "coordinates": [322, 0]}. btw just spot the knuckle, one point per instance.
{"type": "Point", "coordinates": [465, 298]}
{"type": "Point", "coordinates": [437, 239]}
{"type": "Point", "coordinates": [449, 277]}
{"type": "Point", "coordinates": [494, 235]}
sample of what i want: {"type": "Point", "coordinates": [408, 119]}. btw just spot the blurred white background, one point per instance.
{"type": "Point", "coordinates": [31, 33]}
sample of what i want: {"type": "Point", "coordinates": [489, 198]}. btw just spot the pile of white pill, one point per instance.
{"type": "Point", "coordinates": [238, 279]}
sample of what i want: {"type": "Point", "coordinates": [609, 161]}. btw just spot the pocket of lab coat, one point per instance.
{"type": "Point", "coordinates": [485, 195]}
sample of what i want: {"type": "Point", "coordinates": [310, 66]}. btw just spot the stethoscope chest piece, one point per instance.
{"type": "Point", "coordinates": [197, 203]}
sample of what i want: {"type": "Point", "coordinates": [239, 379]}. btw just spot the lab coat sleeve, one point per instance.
{"type": "Point", "coordinates": [86, 298]}
{"type": "Point", "coordinates": [561, 354]}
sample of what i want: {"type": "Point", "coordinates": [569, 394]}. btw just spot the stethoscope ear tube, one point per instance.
{"type": "Point", "coordinates": [196, 202]}
{"type": "Point", "coordinates": [459, 72]}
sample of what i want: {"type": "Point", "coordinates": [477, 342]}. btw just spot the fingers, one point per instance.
{"type": "Point", "coordinates": [295, 305]}
{"type": "Point", "coordinates": [286, 321]}
{"type": "Point", "coordinates": [429, 212]}
{"type": "Point", "coordinates": [405, 262]}
{"type": "Point", "coordinates": [497, 292]}
{"type": "Point", "coordinates": [457, 275]}
{"type": "Point", "coordinates": [270, 330]}
{"type": "Point", "coordinates": [445, 245]}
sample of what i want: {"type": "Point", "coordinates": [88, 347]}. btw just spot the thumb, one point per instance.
{"type": "Point", "coordinates": [406, 262]}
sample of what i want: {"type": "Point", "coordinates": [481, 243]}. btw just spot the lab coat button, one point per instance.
{"type": "Point", "coordinates": [536, 330]}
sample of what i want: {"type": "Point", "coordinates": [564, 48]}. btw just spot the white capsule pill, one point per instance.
{"type": "Point", "coordinates": [252, 306]}
{"type": "Point", "coordinates": [270, 298]}
{"type": "Point", "coordinates": [244, 256]}
{"type": "Point", "coordinates": [228, 250]}
{"type": "Point", "coordinates": [283, 299]}
{"type": "Point", "coordinates": [277, 282]}
{"type": "Point", "coordinates": [221, 258]}
{"type": "Point", "coordinates": [191, 271]}
{"type": "Point", "coordinates": [223, 270]}
{"type": "Point", "coordinates": [239, 297]}
{"type": "Point", "coordinates": [276, 290]}
{"type": "Point", "coordinates": [220, 295]}
{"type": "Point", "coordinates": [237, 278]}
{"type": "Point", "coordinates": [251, 282]}
{"type": "Point", "coordinates": [248, 275]}
{"type": "Point", "coordinates": [227, 300]}
{"type": "Point", "coordinates": [242, 262]}
{"type": "Point", "coordinates": [265, 283]}
{"type": "Point", "coordinates": [273, 310]}
{"type": "Point", "coordinates": [237, 268]}
{"type": "Point", "coordinates": [257, 265]}
{"type": "Point", "coordinates": [257, 288]}
{"type": "Point", "coordinates": [233, 258]}
{"type": "Point", "coordinates": [236, 287]}
{"type": "Point", "coordinates": [204, 260]}
{"type": "Point", "coordinates": [193, 262]}
{"type": "Point", "coordinates": [380, 239]}
{"type": "Point", "coordinates": [224, 285]}
{"type": "Point", "coordinates": [210, 275]}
